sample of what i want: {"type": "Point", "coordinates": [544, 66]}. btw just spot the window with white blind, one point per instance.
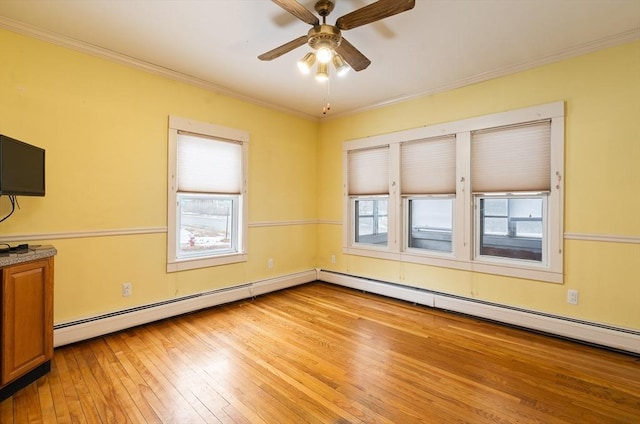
{"type": "Point", "coordinates": [369, 193]}
{"type": "Point", "coordinates": [207, 195]}
{"type": "Point", "coordinates": [482, 194]}
{"type": "Point", "coordinates": [428, 187]}
{"type": "Point", "coordinates": [510, 178]}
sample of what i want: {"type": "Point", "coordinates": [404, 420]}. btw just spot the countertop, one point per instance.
{"type": "Point", "coordinates": [34, 252]}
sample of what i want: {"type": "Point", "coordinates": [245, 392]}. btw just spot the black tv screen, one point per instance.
{"type": "Point", "coordinates": [21, 168]}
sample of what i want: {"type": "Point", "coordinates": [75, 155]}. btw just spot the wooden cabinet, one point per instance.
{"type": "Point", "coordinates": [26, 331]}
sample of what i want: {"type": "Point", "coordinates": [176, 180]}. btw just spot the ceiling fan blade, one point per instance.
{"type": "Point", "coordinates": [285, 48]}
{"type": "Point", "coordinates": [298, 10]}
{"type": "Point", "coordinates": [374, 12]}
{"type": "Point", "coordinates": [352, 56]}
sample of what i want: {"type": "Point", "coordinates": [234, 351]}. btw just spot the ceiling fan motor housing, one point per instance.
{"type": "Point", "coordinates": [324, 35]}
{"type": "Point", "coordinates": [324, 7]}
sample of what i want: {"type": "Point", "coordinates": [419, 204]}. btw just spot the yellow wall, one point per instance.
{"type": "Point", "coordinates": [104, 127]}
{"type": "Point", "coordinates": [602, 185]}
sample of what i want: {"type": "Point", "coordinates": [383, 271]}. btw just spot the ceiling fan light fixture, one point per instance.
{"type": "Point", "coordinates": [324, 54]}
{"type": "Point", "coordinates": [323, 72]}
{"type": "Point", "coordinates": [341, 66]}
{"type": "Point", "coordinates": [306, 62]}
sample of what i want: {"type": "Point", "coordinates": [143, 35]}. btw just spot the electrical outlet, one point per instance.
{"type": "Point", "coordinates": [126, 290]}
{"type": "Point", "coordinates": [270, 263]}
{"type": "Point", "coordinates": [333, 259]}
{"type": "Point", "coordinates": [572, 297]}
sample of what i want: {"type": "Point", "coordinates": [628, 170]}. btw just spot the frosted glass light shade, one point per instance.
{"type": "Point", "coordinates": [324, 54]}
{"type": "Point", "coordinates": [306, 63]}
{"type": "Point", "coordinates": [323, 72]}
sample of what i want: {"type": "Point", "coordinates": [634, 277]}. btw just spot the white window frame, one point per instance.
{"type": "Point", "coordinates": [465, 220]}
{"type": "Point", "coordinates": [239, 254]}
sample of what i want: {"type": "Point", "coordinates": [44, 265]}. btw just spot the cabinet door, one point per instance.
{"type": "Point", "coordinates": [27, 317]}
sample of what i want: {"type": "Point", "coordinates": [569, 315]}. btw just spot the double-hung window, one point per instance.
{"type": "Point", "coordinates": [481, 194]}
{"type": "Point", "coordinates": [510, 178]}
{"type": "Point", "coordinates": [368, 191]}
{"type": "Point", "coordinates": [207, 195]}
{"type": "Point", "coordinates": [428, 186]}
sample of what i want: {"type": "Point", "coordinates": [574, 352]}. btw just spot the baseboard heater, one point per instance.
{"type": "Point", "coordinates": [83, 329]}
{"type": "Point", "coordinates": [582, 331]}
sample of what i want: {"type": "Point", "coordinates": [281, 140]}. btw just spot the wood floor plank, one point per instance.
{"type": "Point", "coordinates": [58, 399]}
{"type": "Point", "coordinates": [6, 411]}
{"type": "Point", "coordinates": [100, 386]}
{"type": "Point", "coordinates": [320, 353]}
{"type": "Point", "coordinates": [168, 358]}
{"type": "Point", "coordinates": [45, 405]}
{"type": "Point", "coordinates": [83, 398]}
{"type": "Point", "coordinates": [173, 406]}
{"type": "Point", "coordinates": [109, 363]}
{"type": "Point", "coordinates": [132, 380]}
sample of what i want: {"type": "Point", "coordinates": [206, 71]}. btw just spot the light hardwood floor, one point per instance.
{"type": "Point", "coordinates": [320, 353]}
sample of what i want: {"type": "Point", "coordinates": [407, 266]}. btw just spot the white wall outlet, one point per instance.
{"type": "Point", "coordinates": [126, 290]}
{"type": "Point", "coordinates": [572, 297]}
{"type": "Point", "coordinates": [333, 259]}
{"type": "Point", "coordinates": [270, 263]}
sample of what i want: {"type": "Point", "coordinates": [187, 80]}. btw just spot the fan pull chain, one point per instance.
{"type": "Point", "coordinates": [327, 104]}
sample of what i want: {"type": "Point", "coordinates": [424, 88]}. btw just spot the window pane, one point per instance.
{"type": "Point", "coordinates": [517, 235]}
{"type": "Point", "coordinates": [495, 225]}
{"type": "Point", "coordinates": [495, 207]}
{"type": "Point", "coordinates": [371, 221]}
{"type": "Point", "coordinates": [526, 215]}
{"type": "Point", "coordinates": [205, 224]}
{"type": "Point", "coordinates": [365, 226]}
{"type": "Point", "coordinates": [431, 224]}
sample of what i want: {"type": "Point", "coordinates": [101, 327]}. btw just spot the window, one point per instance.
{"type": "Point", "coordinates": [371, 221]}
{"type": "Point", "coordinates": [207, 225]}
{"type": "Point", "coordinates": [511, 227]}
{"type": "Point", "coordinates": [207, 195]}
{"type": "Point", "coordinates": [369, 193]}
{"type": "Point", "coordinates": [430, 223]}
{"type": "Point", "coordinates": [482, 194]}
{"type": "Point", "coordinates": [428, 186]}
{"type": "Point", "coordinates": [513, 159]}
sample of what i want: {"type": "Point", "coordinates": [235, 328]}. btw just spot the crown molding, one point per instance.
{"type": "Point", "coordinates": [578, 50]}
{"type": "Point", "coordinates": [82, 47]}
{"type": "Point", "coordinates": [70, 43]}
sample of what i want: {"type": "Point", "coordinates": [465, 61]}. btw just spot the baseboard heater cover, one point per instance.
{"type": "Point", "coordinates": [583, 331]}
{"type": "Point", "coordinates": [83, 329]}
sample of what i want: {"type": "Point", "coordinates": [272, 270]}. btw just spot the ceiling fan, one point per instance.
{"type": "Point", "coordinates": [326, 40]}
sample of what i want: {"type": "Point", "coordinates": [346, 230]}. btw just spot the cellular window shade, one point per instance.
{"type": "Point", "coordinates": [369, 171]}
{"type": "Point", "coordinates": [428, 166]}
{"type": "Point", "coordinates": [511, 159]}
{"type": "Point", "coordinates": [205, 165]}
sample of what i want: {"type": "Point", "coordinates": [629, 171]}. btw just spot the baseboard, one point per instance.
{"type": "Point", "coordinates": [83, 329]}
{"type": "Point", "coordinates": [594, 333]}
{"type": "Point", "coordinates": [395, 291]}
{"type": "Point", "coordinates": [588, 332]}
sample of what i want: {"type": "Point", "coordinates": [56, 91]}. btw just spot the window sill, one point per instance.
{"type": "Point", "coordinates": [522, 271]}
{"type": "Point", "coordinates": [195, 263]}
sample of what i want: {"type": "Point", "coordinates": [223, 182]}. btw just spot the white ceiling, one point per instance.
{"type": "Point", "coordinates": [439, 45]}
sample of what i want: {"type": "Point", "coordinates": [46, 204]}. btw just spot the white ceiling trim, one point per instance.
{"type": "Point", "coordinates": [612, 41]}
{"type": "Point", "coordinates": [57, 39]}
{"type": "Point", "coordinates": [82, 47]}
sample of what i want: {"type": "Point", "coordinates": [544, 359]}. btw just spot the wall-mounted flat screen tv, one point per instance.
{"type": "Point", "coordinates": [21, 168]}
